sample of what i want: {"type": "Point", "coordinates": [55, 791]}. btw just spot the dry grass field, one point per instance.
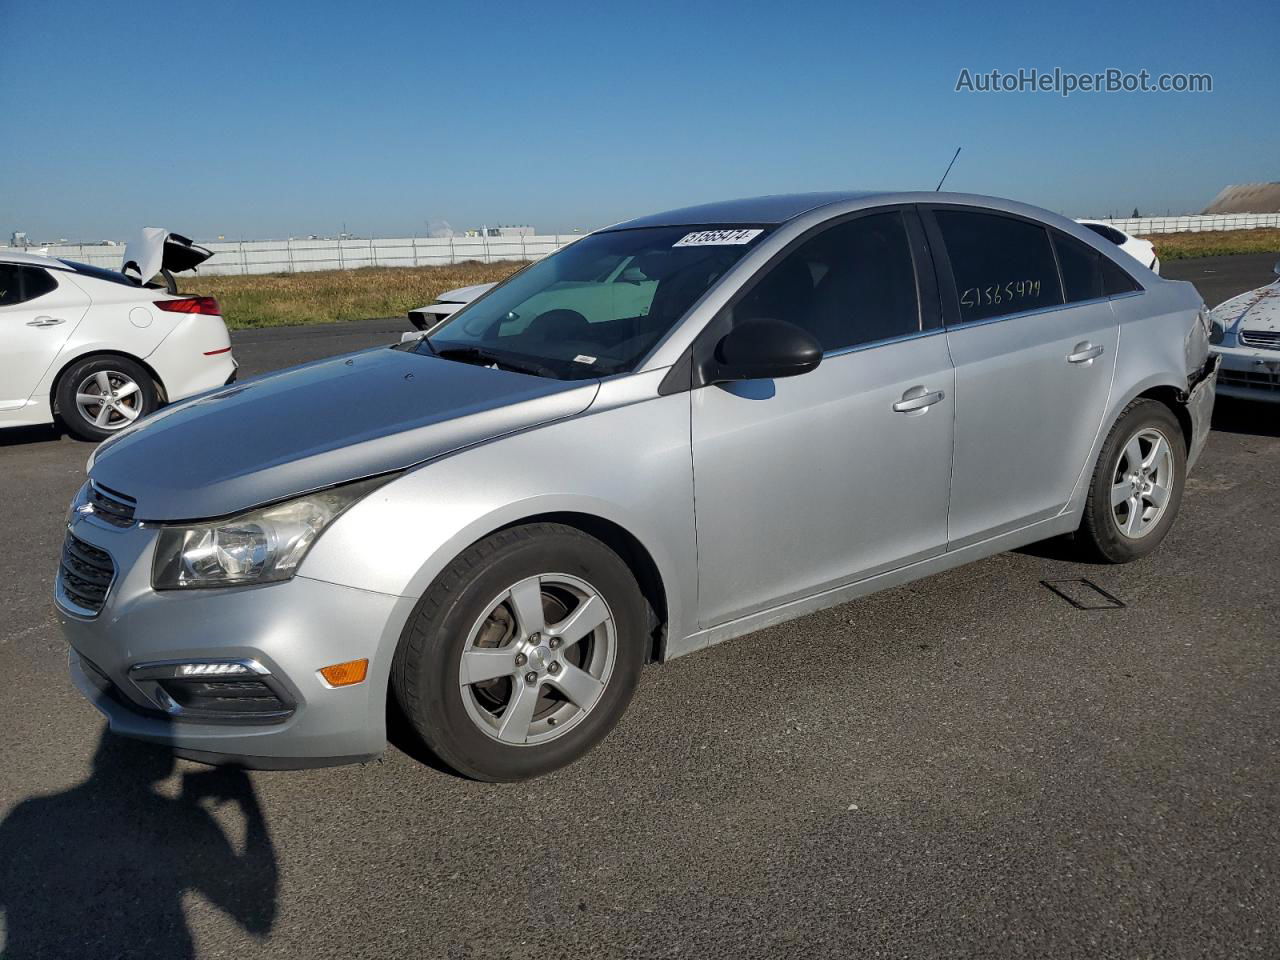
{"type": "Point", "coordinates": [325, 296]}
{"type": "Point", "coordinates": [1215, 243]}
{"type": "Point", "coordinates": [288, 299]}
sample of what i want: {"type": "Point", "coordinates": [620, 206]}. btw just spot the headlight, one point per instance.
{"type": "Point", "coordinates": [1217, 333]}
{"type": "Point", "coordinates": [261, 546]}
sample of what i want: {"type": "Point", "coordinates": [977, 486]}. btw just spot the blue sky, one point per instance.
{"type": "Point", "coordinates": [269, 119]}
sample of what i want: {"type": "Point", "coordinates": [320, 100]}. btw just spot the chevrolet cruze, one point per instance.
{"type": "Point", "coordinates": [770, 406]}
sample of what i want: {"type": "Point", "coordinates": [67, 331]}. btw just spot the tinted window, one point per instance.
{"type": "Point", "coordinates": [19, 283]}
{"type": "Point", "coordinates": [1000, 265]}
{"type": "Point", "coordinates": [1081, 268]}
{"type": "Point", "coordinates": [853, 283]}
{"type": "Point", "coordinates": [1116, 280]}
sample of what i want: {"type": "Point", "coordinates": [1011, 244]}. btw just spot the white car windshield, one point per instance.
{"type": "Point", "coordinates": [596, 307]}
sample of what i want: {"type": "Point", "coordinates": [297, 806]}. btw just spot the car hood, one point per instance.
{"type": "Point", "coordinates": [1256, 310]}
{"type": "Point", "coordinates": [320, 424]}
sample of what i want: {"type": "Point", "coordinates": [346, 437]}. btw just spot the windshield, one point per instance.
{"type": "Point", "coordinates": [595, 308]}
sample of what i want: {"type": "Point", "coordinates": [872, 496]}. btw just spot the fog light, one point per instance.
{"type": "Point", "coordinates": [345, 674]}
{"type": "Point", "coordinates": [212, 669]}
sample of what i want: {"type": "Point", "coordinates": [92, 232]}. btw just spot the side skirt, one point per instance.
{"type": "Point", "coordinates": [1042, 530]}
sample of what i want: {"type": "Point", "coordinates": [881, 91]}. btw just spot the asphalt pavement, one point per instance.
{"type": "Point", "coordinates": [967, 766]}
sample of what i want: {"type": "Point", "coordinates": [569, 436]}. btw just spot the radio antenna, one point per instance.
{"type": "Point", "coordinates": [948, 170]}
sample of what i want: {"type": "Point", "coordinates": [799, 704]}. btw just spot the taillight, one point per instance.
{"type": "Point", "coordinates": [205, 305]}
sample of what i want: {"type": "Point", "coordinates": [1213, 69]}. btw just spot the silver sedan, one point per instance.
{"type": "Point", "coordinates": [678, 430]}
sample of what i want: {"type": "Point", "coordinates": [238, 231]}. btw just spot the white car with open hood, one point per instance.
{"type": "Point", "coordinates": [96, 349]}
{"type": "Point", "coordinates": [1144, 251]}
{"type": "Point", "coordinates": [1245, 332]}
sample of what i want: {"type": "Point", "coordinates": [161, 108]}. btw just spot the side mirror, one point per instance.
{"type": "Point", "coordinates": [411, 336]}
{"type": "Point", "coordinates": [763, 350]}
{"type": "Point", "coordinates": [1276, 269]}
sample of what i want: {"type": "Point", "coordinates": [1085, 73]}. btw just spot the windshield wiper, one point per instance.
{"type": "Point", "coordinates": [484, 358]}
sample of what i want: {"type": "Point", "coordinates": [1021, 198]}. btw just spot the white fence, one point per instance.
{"type": "Point", "coordinates": [295, 256]}
{"type": "Point", "coordinates": [1143, 226]}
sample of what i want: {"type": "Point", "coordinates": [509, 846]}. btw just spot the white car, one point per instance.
{"type": "Point", "coordinates": [447, 304]}
{"type": "Point", "coordinates": [1245, 332]}
{"type": "Point", "coordinates": [96, 349]}
{"type": "Point", "coordinates": [1143, 251]}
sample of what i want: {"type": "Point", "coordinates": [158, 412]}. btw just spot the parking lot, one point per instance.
{"type": "Point", "coordinates": [965, 766]}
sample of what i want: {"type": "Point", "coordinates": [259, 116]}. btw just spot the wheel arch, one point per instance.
{"type": "Point", "coordinates": [1175, 400]}
{"type": "Point", "coordinates": [633, 553]}
{"type": "Point", "coordinates": [94, 355]}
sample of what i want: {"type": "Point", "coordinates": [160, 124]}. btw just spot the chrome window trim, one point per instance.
{"type": "Point", "coordinates": [883, 342]}
{"type": "Point", "coordinates": [1052, 308]}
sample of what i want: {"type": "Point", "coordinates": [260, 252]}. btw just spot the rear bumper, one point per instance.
{"type": "Point", "coordinates": [1200, 406]}
{"type": "Point", "coordinates": [1249, 373]}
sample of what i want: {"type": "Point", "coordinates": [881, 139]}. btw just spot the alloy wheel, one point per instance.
{"type": "Point", "coordinates": [109, 399]}
{"type": "Point", "coordinates": [1141, 483]}
{"type": "Point", "coordinates": [537, 661]}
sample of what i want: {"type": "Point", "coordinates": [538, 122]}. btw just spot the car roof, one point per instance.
{"type": "Point", "coordinates": [31, 259]}
{"type": "Point", "coordinates": [774, 209]}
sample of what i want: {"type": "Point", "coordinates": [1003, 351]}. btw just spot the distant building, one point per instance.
{"type": "Point", "coordinates": [1247, 198]}
{"type": "Point", "coordinates": [521, 231]}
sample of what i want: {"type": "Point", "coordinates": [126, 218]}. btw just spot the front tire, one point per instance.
{"type": "Point", "coordinates": [523, 654]}
{"type": "Point", "coordinates": [1137, 485]}
{"type": "Point", "coordinates": [100, 396]}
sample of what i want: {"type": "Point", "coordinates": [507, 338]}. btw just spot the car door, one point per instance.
{"type": "Point", "coordinates": [1033, 372]}
{"type": "Point", "coordinates": [808, 482]}
{"type": "Point", "coordinates": [38, 310]}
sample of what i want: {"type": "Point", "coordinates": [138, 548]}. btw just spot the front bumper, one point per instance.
{"type": "Point", "coordinates": [291, 629]}
{"type": "Point", "coordinates": [1249, 373]}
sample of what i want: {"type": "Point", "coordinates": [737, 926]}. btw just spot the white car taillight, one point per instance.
{"type": "Point", "coordinates": [208, 306]}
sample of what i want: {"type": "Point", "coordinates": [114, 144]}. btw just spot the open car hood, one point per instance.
{"type": "Point", "coordinates": [156, 249]}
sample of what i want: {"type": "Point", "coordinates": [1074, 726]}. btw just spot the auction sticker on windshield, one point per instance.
{"type": "Point", "coordinates": [706, 238]}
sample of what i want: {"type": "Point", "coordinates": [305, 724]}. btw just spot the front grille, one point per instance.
{"type": "Point", "coordinates": [1261, 338]}
{"type": "Point", "coordinates": [1253, 380]}
{"type": "Point", "coordinates": [111, 507]}
{"type": "Point", "coordinates": [84, 576]}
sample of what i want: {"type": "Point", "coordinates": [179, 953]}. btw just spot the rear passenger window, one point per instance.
{"type": "Point", "coordinates": [1000, 265]}
{"type": "Point", "coordinates": [1115, 280]}
{"type": "Point", "coordinates": [1081, 268]}
{"type": "Point", "coordinates": [853, 283]}
{"type": "Point", "coordinates": [20, 283]}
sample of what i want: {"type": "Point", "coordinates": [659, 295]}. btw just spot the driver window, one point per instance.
{"type": "Point", "coordinates": [852, 284]}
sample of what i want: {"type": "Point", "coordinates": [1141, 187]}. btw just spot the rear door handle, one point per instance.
{"type": "Point", "coordinates": [45, 322]}
{"type": "Point", "coordinates": [918, 399]}
{"type": "Point", "coordinates": [1084, 351]}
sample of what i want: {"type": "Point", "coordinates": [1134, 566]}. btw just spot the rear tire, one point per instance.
{"type": "Point", "coordinates": [1137, 485]}
{"type": "Point", "coordinates": [125, 388]}
{"type": "Point", "coordinates": [537, 695]}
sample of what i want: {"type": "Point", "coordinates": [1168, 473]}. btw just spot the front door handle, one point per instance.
{"type": "Point", "coordinates": [45, 322]}
{"type": "Point", "coordinates": [918, 399]}
{"type": "Point", "coordinates": [1084, 351]}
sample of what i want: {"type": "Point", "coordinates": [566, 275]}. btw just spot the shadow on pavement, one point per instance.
{"type": "Point", "coordinates": [1255, 418]}
{"type": "Point", "coordinates": [100, 870]}
{"type": "Point", "coordinates": [51, 433]}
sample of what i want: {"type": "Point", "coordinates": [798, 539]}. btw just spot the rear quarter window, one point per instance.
{"type": "Point", "coordinates": [1000, 265]}
{"type": "Point", "coordinates": [1081, 268]}
{"type": "Point", "coordinates": [20, 283]}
